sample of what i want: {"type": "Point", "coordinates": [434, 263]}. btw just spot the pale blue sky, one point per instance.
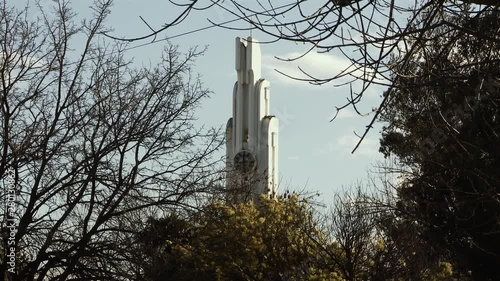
{"type": "Point", "coordinates": [314, 153]}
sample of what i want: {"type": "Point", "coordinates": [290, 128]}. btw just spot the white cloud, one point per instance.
{"type": "Point", "coordinates": [314, 64]}
{"type": "Point", "coordinates": [317, 65]}
{"type": "Point", "coordinates": [346, 143]}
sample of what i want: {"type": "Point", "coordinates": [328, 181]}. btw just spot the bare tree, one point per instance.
{"type": "Point", "coordinates": [351, 229]}
{"type": "Point", "coordinates": [366, 241]}
{"type": "Point", "coordinates": [377, 37]}
{"type": "Point", "coordinates": [93, 145]}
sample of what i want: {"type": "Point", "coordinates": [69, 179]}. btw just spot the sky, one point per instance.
{"type": "Point", "coordinates": [314, 153]}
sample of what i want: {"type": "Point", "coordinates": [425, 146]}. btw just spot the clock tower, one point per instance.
{"type": "Point", "coordinates": [252, 133]}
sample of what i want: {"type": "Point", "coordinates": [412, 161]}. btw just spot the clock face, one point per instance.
{"type": "Point", "coordinates": [244, 161]}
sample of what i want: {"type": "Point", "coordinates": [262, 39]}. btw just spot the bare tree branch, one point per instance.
{"type": "Point", "coordinates": [96, 145]}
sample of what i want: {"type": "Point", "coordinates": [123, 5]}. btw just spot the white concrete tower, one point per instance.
{"type": "Point", "coordinates": [251, 134]}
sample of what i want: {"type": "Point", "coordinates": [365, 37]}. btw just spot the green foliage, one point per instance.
{"type": "Point", "coordinates": [281, 239]}
{"type": "Point", "coordinates": [273, 240]}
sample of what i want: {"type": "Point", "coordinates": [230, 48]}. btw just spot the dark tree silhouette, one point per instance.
{"type": "Point", "coordinates": [443, 123]}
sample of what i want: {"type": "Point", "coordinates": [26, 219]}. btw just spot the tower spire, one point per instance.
{"type": "Point", "coordinates": [252, 133]}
